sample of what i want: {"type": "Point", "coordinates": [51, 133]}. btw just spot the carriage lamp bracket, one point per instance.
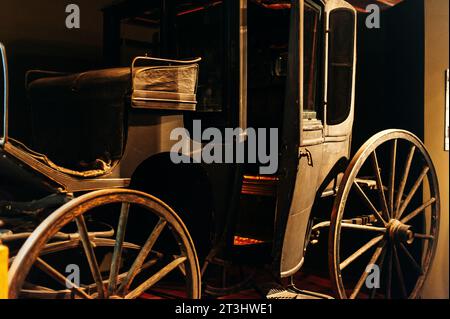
{"type": "Point", "coordinates": [313, 233]}
{"type": "Point", "coordinates": [306, 153]}
{"type": "Point", "coordinates": [314, 237]}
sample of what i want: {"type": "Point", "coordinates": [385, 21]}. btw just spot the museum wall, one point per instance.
{"type": "Point", "coordinates": [436, 62]}
{"type": "Point", "coordinates": [36, 37]}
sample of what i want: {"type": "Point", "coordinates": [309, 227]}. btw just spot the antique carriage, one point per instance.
{"type": "Point", "coordinates": [102, 144]}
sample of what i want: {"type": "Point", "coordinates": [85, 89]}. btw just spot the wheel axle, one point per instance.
{"type": "Point", "coordinates": [399, 232]}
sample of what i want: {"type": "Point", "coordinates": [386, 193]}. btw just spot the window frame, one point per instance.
{"type": "Point", "coordinates": [344, 128]}
{"type": "Point", "coordinates": [319, 64]}
{"type": "Point", "coordinates": [343, 111]}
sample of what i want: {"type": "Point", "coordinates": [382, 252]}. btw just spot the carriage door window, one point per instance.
{"type": "Point", "coordinates": [199, 33]}
{"type": "Point", "coordinates": [311, 54]}
{"type": "Point", "coordinates": [268, 47]}
{"type": "Point", "coordinates": [341, 49]}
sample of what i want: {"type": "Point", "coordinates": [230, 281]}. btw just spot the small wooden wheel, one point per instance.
{"type": "Point", "coordinates": [385, 219]}
{"type": "Point", "coordinates": [146, 250]}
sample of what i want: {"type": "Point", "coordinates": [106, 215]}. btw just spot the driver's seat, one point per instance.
{"type": "Point", "coordinates": [80, 118]}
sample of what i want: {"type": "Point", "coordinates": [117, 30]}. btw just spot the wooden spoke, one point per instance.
{"type": "Point", "coordinates": [117, 254]}
{"type": "Point", "coordinates": [404, 179]}
{"type": "Point", "coordinates": [413, 191]}
{"type": "Point", "coordinates": [149, 263]}
{"type": "Point", "coordinates": [380, 187]}
{"type": "Point", "coordinates": [368, 202]}
{"type": "Point", "coordinates": [389, 274]}
{"type": "Point", "coordinates": [181, 267]}
{"type": "Point", "coordinates": [373, 293]}
{"type": "Point", "coordinates": [380, 266]}
{"type": "Point", "coordinates": [55, 274]}
{"type": "Point", "coordinates": [372, 261]}
{"type": "Point", "coordinates": [60, 246]}
{"type": "Point", "coordinates": [121, 277]}
{"type": "Point", "coordinates": [399, 272]}
{"type": "Point", "coordinates": [418, 210]}
{"type": "Point", "coordinates": [29, 286]}
{"type": "Point", "coordinates": [155, 278]}
{"type": "Point", "coordinates": [142, 255]}
{"type": "Point", "coordinates": [360, 252]}
{"type": "Point", "coordinates": [423, 236]}
{"type": "Point", "coordinates": [411, 259]}
{"type": "Point", "coordinates": [392, 176]}
{"type": "Point", "coordinates": [90, 255]}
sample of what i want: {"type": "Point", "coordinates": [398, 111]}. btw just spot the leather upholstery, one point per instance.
{"type": "Point", "coordinates": [80, 118]}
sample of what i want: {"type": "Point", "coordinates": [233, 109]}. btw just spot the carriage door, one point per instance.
{"type": "Point", "coordinates": [340, 67]}
{"type": "Point", "coordinates": [339, 90]}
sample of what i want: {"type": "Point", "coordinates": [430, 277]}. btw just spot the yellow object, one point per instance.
{"type": "Point", "coordinates": [3, 272]}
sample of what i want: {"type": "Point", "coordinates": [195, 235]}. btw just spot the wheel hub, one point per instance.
{"type": "Point", "coordinates": [399, 232]}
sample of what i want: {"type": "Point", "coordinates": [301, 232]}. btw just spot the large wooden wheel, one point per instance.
{"type": "Point", "coordinates": [385, 219]}
{"type": "Point", "coordinates": [146, 250]}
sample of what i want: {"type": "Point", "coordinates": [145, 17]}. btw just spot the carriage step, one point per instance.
{"type": "Point", "coordinates": [297, 294]}
{"type": "Point", "coordinates": [259, 185]}
{"type": "Point", "coordinates": [367, 183]}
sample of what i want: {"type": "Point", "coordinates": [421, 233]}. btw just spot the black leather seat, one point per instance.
{"type": "Point", "coordinates": [80, 118]}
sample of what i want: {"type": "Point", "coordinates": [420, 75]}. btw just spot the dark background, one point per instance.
{"type": "Point", "coordinates": [36, 37]}
{"type": "Point", "coordinates": [390, 73]}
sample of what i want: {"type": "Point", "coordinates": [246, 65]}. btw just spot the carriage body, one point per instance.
{"type": "Point", "coordinates": [296, 75]}
{"type": "Point", "coordinates": [269, 83]}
